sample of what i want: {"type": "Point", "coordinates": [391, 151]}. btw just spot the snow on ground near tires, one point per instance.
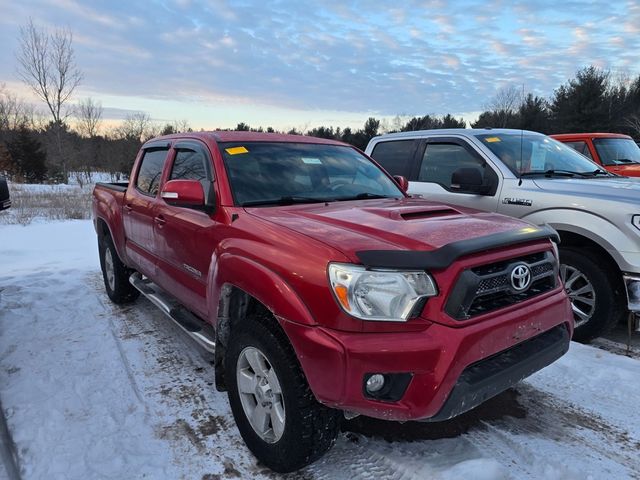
{"type": "Point", "coordinates": [91, 390]}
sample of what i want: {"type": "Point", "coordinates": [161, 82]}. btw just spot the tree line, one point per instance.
{"type": "Point", "coordinates": [593, 101]}
{"type": "Point", "coordinates": [72, 140]}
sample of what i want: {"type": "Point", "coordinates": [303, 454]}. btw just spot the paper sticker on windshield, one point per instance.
{"type": "Point", "coordinates": [491, 139]}
{"type": "Point", "coordinates": [311, 161]}
{"type": "Point", "coordinates": [236, 150]}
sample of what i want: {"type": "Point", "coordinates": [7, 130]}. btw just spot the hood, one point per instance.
{"type": "Point", "coordinates": [630, 170]}
{"type": "Point", "coordinates": [387, 224]}
{"type": "Point", "coordinates": [614, 189]}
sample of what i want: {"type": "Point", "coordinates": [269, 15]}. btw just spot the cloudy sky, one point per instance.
{"type": "Point", "coordinates": [305, 63]}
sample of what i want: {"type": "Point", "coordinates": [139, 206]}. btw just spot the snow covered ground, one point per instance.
{"type": "Point", "coordinates": [95, 391]}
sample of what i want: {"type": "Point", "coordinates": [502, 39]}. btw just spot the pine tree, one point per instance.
{"type": "Point", "coordinates": [29, 157]}
{"type": "Point", "coordinates": [7, 165]}
{"type": "Point", "coordinates": [534, 114]}
{"type": "Point", "coordinates": [583, 103]}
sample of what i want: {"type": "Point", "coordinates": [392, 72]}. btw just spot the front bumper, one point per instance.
{"type": "Point", "coordinates": [491, 376]}
{"type": "Point", "coordinates": [452, 369]}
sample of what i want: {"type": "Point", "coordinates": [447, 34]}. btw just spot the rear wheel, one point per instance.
{"type": "Point", "coordinates": [596, 307]}
{"type": "Point", "coordinates": [279, 419]}
{"type": "Point", "coordinates": [115, 273]}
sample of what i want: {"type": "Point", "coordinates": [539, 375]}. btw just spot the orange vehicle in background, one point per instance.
{"type": "Point", "coordinates": [616, 152]}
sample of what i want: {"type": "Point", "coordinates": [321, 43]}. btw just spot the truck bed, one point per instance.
{"type": "Point", "coordinates": [119, 186]}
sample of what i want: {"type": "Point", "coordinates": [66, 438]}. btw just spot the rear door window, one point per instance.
{"type": "Point", "coordinates": [150, 172]}
{"type": "Point", "coordinates": [396, 157]}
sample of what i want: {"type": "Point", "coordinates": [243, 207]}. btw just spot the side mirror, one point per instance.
{"type": "Point", "coordinates": [184, 193]}
{"type": "Point", "coordinates": [469, 180]}
{"type": "Point", "coordinates": [403, 183]}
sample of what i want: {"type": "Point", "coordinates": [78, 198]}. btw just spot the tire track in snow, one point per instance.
{"type": "Point", "coordinates": [176, 382]}
{"type": "Point", "coordinates": [567, 432]}
{"type": "Point", "coordinates": [539, 435]}
{"type": "Point", "coordinates": [123, 356]}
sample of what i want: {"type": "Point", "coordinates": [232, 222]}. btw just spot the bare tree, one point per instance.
{"type": "Point", "coordinates": [88, 115]}
{"type": "Point", "coordinates": [632, 121]}
{"type": "Point", "coordinates": [502, 109]}
{"type": "Point", "coordinates": [14, 112]}
{"type": "Point", "coordinates": [46, 63]}
{"type": "Point", "coordinates": [507, 99]}
{"type": "Point", "coordinates": [182, 126]}
{"type": "Point", "coordinates": [135, 126]}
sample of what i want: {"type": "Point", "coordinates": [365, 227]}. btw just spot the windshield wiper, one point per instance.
{"type": "Point", "coordinates": [363, 196]}
{"type": "Point", "coordinates": [625, 160]}
{"type": "Point", "coordinates": [287, 200]}
{"type": "Point", "coordinates": [553, 173]}
{"type": "Point", "coordinates": [597, 172]}
{"type": "Point", "coordinates": [567, 173]}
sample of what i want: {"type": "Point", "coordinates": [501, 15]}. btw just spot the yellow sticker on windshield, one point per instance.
{"type": "Point", "coordinates": [492, 139]}
{"type": "Point", "coordinates": [236, 150]}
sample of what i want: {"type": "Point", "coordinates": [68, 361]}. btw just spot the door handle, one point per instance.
{"type": "Point", "coordinates": [128, 208]}
{"type": "Point", "coordinates": [159, 220]}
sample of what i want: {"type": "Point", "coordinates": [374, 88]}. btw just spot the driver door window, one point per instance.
{"type": "Point", "coordinates": [189, 165]}
{"type": "Point", "coordinates": [440, 160]}
{"type": "Point", "coordinates": [580, 147]}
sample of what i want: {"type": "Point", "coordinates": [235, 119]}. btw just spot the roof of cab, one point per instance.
{"type": "Point", "coordinates": [567, 136]}
{"type": "Point", "coordinates": [223, 136]}
{"type": "Point", "coordinates": [465, 132]}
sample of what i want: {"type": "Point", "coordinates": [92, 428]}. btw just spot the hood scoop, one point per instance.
{"type": "Point", "coordinates": [420, 214]}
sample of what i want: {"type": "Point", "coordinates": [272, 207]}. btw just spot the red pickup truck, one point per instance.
{"type": "Point", "coordinates": [616, 152]}
{"type": "Point", "coordinates": [323, 289]}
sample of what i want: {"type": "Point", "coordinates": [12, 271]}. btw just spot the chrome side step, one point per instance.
{"type": "Point", "coordinates": [200, 331]}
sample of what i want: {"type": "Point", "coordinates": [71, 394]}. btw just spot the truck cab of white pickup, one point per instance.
{"type": "Point", "coordinates": [533, 177]}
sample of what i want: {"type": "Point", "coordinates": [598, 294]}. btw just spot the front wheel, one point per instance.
{"type": "Point", "coordinates": [277, 415]}
{"type": "Point", "coordinates": [591, 288]}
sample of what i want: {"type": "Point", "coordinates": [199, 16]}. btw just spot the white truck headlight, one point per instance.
{"type": "Point", "coordinates": [635, 221]}
{"type": "Point", "coordinates": [382, 295]}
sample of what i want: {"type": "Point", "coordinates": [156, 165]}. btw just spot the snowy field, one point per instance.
{"type": "Point", "coordinates": [95, 391]}
{"type": "Point", "coordinates": [43, 202]}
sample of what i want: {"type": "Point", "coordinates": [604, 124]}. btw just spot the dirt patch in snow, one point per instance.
{"type": "Point", "coordinates": [212, 425]}
{"type": "Point", "coordinates": [181, 429]}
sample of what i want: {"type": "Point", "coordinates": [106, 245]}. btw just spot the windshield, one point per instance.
{"type": "Point", "coordinates": [263, 173]}
{"type": "Point", "coordinates": [617, 151]}
{"type": "Point", "coordinates": [532, 154]}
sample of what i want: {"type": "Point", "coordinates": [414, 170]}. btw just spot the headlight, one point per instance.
{"type": "Point", "coordinates": [379, 294]}
{"type": "Point", "coordinates": [635, 221]}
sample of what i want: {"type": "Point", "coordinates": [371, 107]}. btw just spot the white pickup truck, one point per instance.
{"type": "Point", "coordinates": [533, 177]}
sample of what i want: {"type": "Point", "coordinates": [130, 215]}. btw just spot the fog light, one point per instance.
{"type": "Point", "coordinates": [632, 285]}
{"type": "Point", "coordinates": [375, 383]}
{"type": "Point", "coordinates": [385, 387]}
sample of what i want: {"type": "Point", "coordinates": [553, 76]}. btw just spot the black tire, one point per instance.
{"type": "Point", "coordinates": [118, 289]}
{"type": "Point", "coordinates": [608, 308]}
{"type": "Point", "coordinates": [310, 429]}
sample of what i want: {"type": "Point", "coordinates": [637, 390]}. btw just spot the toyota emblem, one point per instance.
{"type": "Point", "coordinates": [520, 277]}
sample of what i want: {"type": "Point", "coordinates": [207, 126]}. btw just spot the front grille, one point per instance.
{"type": "Point", "coordinates": [486, 288]}
{"type": "Point", "coordinates": [492, 283]}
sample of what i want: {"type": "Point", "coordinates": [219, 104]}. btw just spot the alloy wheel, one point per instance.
{"type": "Point", "coordinates": [260, 394]}
{"type": "Point", "coordinates": [581, 293]}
